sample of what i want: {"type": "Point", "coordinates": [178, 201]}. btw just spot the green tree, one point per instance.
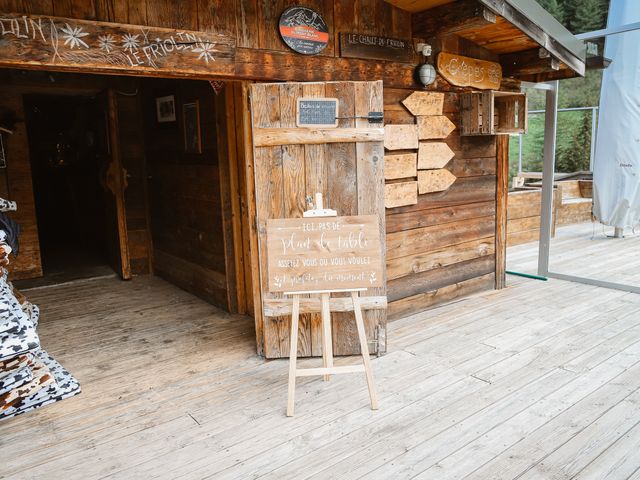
{"type": "Point", "coordinates": [554, 8]}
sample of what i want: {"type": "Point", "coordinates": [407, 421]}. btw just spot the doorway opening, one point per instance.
{"type": "Point", "coordinates": [69, 154]}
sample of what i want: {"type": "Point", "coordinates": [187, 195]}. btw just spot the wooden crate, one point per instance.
{"type": "Point", "coordinates": [493, 113]}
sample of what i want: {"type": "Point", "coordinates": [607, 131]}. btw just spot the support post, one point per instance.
{"type": "Point", "coordinates": [548, 177]}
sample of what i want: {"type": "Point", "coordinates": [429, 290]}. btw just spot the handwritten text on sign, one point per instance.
{"type": "Point", "coordinates": [65, 42]}
{"type": "Point", "coordinates": [469, 72]}
{"type": "Point", "coordinates": [327, 253]}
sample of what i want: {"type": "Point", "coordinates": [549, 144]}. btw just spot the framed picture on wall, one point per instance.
{"type": "Point", "coordinates": [191, 119]}
{"type": "Point", "coordinates": [166, 109]}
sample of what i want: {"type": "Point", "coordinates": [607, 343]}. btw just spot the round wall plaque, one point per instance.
{"type": "Point", "coordinates": [304, 30]}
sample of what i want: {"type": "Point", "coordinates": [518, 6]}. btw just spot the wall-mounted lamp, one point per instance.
{"type": "Point", "coordinates": [425, 73]}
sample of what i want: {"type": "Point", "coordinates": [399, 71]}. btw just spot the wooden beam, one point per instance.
{"type": "Point", "coordinates": [271, 137]}
{"type": "Point", "coordinates": [278, 307]}
{"type": "Point", "coordinates": [502, 190]}
{"type": "Point", "coordinates": [535, 60]}
{"type": "Point", "coordinates": [445, 19]}
{"type": "Point", "coordinates": [536, 33]}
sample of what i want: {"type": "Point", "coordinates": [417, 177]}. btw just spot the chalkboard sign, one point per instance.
{"type": "Point", "coordinates": [317, 112]}
{"type": "Point", "coordinates": [304, 30]}
{"type": "Point", "coordinates": [324, 253]}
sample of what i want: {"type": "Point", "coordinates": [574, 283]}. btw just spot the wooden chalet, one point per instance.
{"type": "Point", "coordinates": [158, 137]}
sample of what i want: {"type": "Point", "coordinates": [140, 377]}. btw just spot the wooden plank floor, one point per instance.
{"type": "Point", "coordinates": [586, 249]}
{"type": "Point", "coordinates": [537, 381]}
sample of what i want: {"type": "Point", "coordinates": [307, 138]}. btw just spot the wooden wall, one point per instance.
{"type": "Point", "coordinates": [15, 184]}
{"type": "Point", "coordinates": [184, 193]}
{"type": "Point", "coordinates": [440, 248]}
{"type": "Point", "coordinates": [252, 22]}
{"type": "Point", "coordinates": [444, 246]}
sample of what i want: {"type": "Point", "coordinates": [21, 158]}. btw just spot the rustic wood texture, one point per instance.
{"type": "Point", "coordinates": [469, 72]}
{"type": "Point", "coordinates": [430, 181]}
{"type": "Point", "coordinates": [443, 245]}
{"type": "Point", "coordinates": [401, 165]}
{"type": "Point", "coordinates": [311, 254]}
{"type": "Point", "coordinates": [424, 103]}
{"type": "Point", "coordinates": [400, 137]}
{"type": "Point", "coordinates": [191, 235]}
{"type": "Point", "coordinates": [286, 174]}
{"type": "Point", "coordinates": [434, 155]}
{"type": "Point", "coordinates": [19, 188]}
{"type": "Point", "coordinates": [443, 19]}
{"type": "Point", "coordinates": [72, 44]}
{"type": "Point", "coordinates": [357, 45]}
{"type": "Point", "coordinates": [434, 127]}
{"type": "Point", "coordinates": [472, 373]}
{"type": "Point", "coordinates": [399, 194]}
{"type": "Point", "coordinates": [252, 24]}
{"type": "Point", "coordinates": [502, 190]}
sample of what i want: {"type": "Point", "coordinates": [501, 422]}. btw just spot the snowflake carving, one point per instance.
{"type": "Point", "coordinates": [205, 52]}
{"type": "Point", "coordinates": [107, 42]}
{"type": "Point", "coordinates": [130, 42]}
{"type": "Point", "coordinates": [73, 36]}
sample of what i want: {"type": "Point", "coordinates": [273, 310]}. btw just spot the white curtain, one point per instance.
{"type": "Point", "coordinates": [616, 170]}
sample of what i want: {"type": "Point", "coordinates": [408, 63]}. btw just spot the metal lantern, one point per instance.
{"type": "Point", "coordinates": [426, 74]}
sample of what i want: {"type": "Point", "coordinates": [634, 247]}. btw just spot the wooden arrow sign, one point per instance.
{"type": "Point", "coordinates": [400, 194]}
{"type": "Point", "coordinates": [434, 180]}
{"type": "Point", "coordinates": [434, 155]}
{"type": "Point", "coordinates": [434, 127]}
{"type": "Point", "coordinates": [424, 103]}
{"type": "Point", "coordinates": [402, 165]}
{"type": "Point", "coordinates": [400, 137]}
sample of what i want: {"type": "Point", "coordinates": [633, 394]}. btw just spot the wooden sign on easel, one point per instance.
{"type": "Point", "coordinates": [322, 253]}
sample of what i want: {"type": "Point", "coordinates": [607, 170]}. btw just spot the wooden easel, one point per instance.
{"type": "Point", "coordinates": [328, 368]}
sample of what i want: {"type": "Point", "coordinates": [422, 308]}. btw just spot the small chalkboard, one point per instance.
{"type": "Point", "coordinates": [317, 112]}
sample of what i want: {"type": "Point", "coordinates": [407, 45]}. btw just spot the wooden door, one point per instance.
{"type": "Point", "coordinates": [291, 164]}
{"type": "Point", "coordinates": [115, 183]}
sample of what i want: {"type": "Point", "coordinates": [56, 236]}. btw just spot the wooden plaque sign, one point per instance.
{"type": "Point", "coordinates": [469, 72]}
{"type": "Point", "coordinates": [358, 45]}
{"type": "Point", "coordinates": [304, 30]}
{"type": "Point", "coordinates": [73, 44]}
{"type": "Point", "coordinates": [317, 112]}
{"type": "Point", "coordinates": [324, 253]}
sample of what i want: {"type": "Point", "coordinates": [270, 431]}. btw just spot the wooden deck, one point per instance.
{"type": "Point", "coordinates": [537, 381]}
{"type": "Point", "coordinates": [588, 250]}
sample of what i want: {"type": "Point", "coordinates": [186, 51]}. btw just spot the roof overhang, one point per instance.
{"type": "Point", "coordinates": [529, 43]}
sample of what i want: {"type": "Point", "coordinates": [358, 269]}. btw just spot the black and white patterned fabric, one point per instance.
{"type": "Point", "coordinates": [29, 377]}
{"type": "Point", "coordinates": [7, 205]}
{"type": "Point", "coordinates": [64, 386]}
{"type": "Point", "coordinates": [15, 379]}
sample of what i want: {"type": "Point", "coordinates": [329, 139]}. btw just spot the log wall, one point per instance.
{"type": "Point", "coordinates": [438, 249]}
{"type": "Point", "coordinates": [443, 247]}
{"type": "Point", "coordinates": [184, 193]}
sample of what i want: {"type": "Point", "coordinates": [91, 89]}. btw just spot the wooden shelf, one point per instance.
{"type": "Point", "coordinates": [493, 113]}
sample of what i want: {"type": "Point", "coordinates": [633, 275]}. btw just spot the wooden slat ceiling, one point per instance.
{"type": "Point", "coordinates": [418, 5]}
{"type": "Point", "coordinates": [501, 37]}
{"type": "Point", "coordinates": [503, 30]}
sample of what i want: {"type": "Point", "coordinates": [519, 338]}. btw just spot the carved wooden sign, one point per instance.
{"type": "Point", "coordinates": [469, 72]}
{"type": "Point", "coordinates": [325, 253]}
{"type": "Point", "coordinates": [424, 103]}
{"type": "Point", "coordinates": [358, 45]}
{"type": "Point", "coordinates": [75, 44]}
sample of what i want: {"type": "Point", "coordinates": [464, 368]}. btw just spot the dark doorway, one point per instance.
{"type": "Point", "coordinates": [69, 154]}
